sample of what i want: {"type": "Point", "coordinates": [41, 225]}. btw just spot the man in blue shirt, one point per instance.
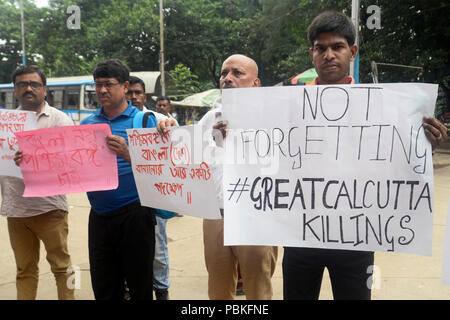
{"type": "Point", "coordinates": [121, 232]}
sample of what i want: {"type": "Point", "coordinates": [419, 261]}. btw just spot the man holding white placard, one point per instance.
{"type": "Point", "coordinates": [332, 37]}
{"type": "Point", "coordinates": [256, 263]}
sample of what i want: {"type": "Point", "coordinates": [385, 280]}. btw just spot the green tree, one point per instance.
{"type": "Point", "coordinates": [202, 33]}
{"type": "Point", "coordinates": [185, 83]}
{"type": "Point", "coordinates": [64, 51]}
{"type": "Point", "coordinates": [413, 33]}
{"type": "Point", "coordinates": [11, 38]}
{"type": "Point", "coordinates": [128, 30]}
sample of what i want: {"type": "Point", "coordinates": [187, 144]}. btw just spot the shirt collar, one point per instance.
{"type": "Point", "coordinates": [127, 113]}
{"type": "Point", "coordinates": [350, 80]}
{"type": "Point", "coordinates": [45, 109]}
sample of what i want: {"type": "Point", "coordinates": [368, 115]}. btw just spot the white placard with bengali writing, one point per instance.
{"type": "Point", "coordinates": [168, 173]}
{"type": "Point", "coordinates": [12, 121]}
{"type": "Point", "coordinates": [342, 166]}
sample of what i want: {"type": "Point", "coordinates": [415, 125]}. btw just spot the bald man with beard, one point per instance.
{"type": "Point", "coordinates": [256, 263]}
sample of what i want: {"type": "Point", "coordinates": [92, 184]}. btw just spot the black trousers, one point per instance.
{"type": "Point", "coordinates": [122, 247]}
{"type": "Point", "coordinates": [349, 273]}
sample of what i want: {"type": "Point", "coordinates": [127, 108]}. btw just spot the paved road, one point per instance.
{"type": "Point", "coordinates": [400, 276]}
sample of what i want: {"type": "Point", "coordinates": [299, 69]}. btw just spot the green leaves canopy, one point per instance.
{"type": "Point", "coordinates": [200, 34]}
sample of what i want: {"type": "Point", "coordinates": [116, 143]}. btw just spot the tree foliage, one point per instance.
{"type": "Point", "coordinates": [10, 35]}
{"type": "Point", "coordinates": [184, 82]}
{"type": "Point", "coordinates": [200, 34]}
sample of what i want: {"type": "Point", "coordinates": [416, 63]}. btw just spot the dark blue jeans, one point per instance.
{"type": "Point", "coordinates": [349, 273]}
{"type": "Point", "coordinates": [122, 247]}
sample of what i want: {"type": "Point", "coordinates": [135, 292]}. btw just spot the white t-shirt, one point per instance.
{"type": "Point", "coordinates": [158, 116]}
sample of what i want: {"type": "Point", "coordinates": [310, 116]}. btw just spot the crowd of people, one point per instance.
{"type": "Point", "coordinates": [127, 255]}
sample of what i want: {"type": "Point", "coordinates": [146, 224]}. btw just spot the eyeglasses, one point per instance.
{"type": "Point", "coordinates": [107, 85]}
{"type": "Point", "coordinates": [33, 84]}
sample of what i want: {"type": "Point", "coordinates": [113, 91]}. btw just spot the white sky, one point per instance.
{"type": "Point", "coordinates": [41, 3]}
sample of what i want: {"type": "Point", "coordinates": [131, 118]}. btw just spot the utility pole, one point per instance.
{"type": "Point", "coordinates": [24, 60]}
{"type": "Point", "coordinates": [161, 53]}
{"type": "Point", "coordinates": [354, 66]}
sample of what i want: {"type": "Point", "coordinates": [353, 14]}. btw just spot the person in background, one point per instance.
{"type": "Point", "coordinates": [163, 106]}
{"type": "Point", "coordinates": [136, 94]}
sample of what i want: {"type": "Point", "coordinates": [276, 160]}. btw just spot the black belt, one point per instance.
{"type": "Point", "coordinates": [120, 211]}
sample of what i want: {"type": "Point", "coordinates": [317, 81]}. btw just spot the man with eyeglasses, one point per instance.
{"type": "Point", "coordinates": [35, 219]}
{"type": "Point", "coordinates": [121, 232]}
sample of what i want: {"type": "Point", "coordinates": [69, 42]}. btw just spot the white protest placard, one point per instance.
{"type": "Point", "coordinates": [342, 167]}
{"type": "Point", "coordinates": [12, 121]}
{"type": "Point", "coordinates": [169, 175]}
{"type": "Point", "coordinates": [446, 251]}
{"type": "Point", "coordinates": [67, 159]}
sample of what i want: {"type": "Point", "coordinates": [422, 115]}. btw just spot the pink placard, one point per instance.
{"type": "Point", "coordinates": [69, 159]}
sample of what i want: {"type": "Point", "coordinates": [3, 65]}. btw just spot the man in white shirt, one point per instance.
{"type": "Point", "coordinates": [256, 263]}
{"type": "Point", "coordinates": [35, 219]}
